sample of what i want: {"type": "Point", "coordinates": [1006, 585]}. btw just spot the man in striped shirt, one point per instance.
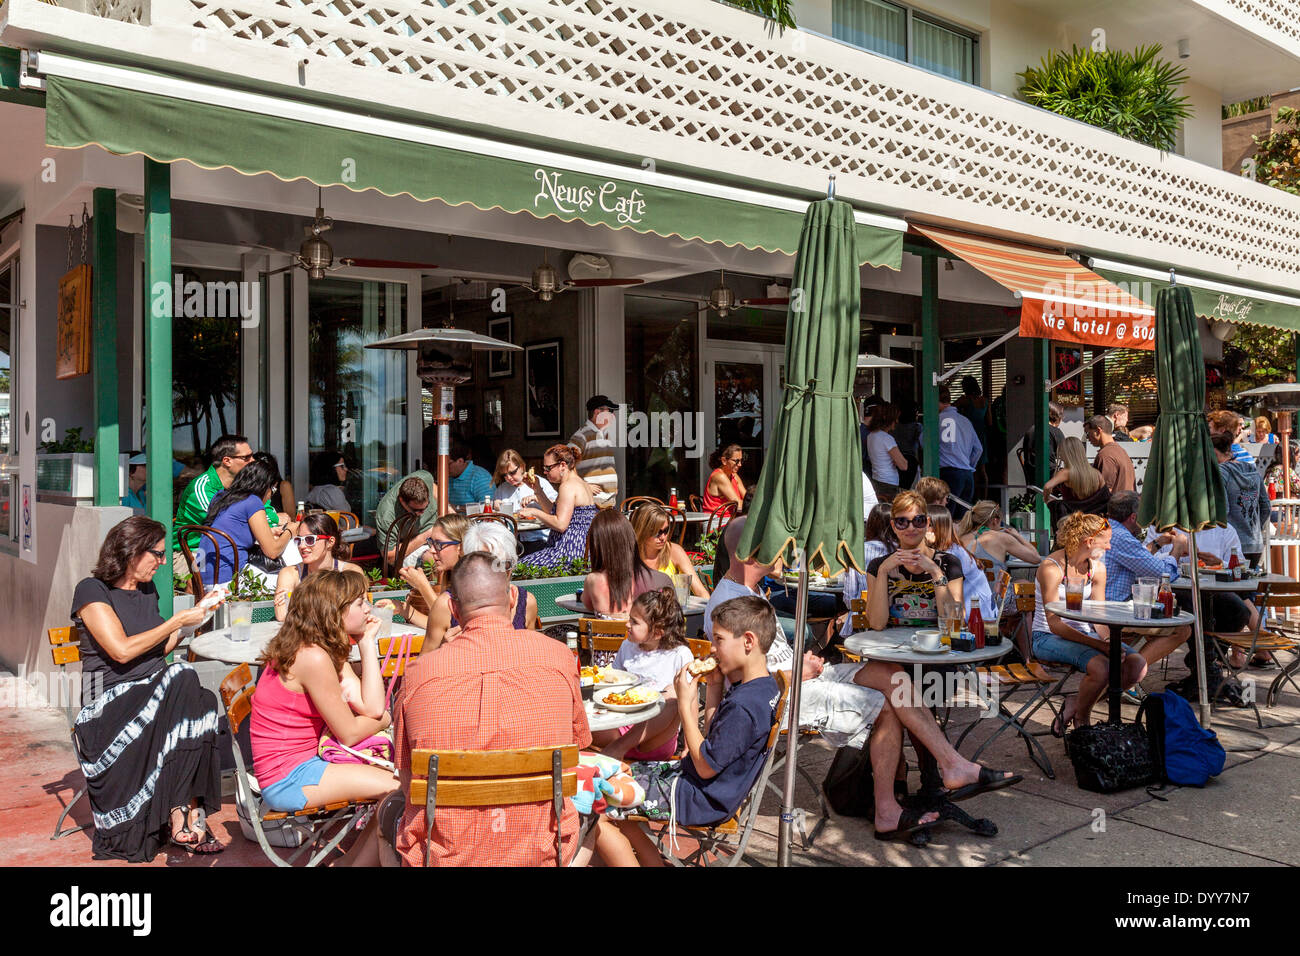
{"type": "Point", "coordinates": [594, 443]}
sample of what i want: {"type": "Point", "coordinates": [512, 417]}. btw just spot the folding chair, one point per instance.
{"type": "Point", "coordinates": [805, 736]}
{"type": "Point", "coordinates": [399, 535]}
{"type": "Point", "coordinates": [1032, 675]}
{"type": "Point", "coordinates": [328, 825]}
{"type": "Point", "coordinates": [601, 639]}
{"type": "Point", "coordinates": [65, 649]}
{"type": "Point", "coordinates": [730, 837]}
{"type": "Point", "coordinates": [700, 647]}
{"type": "Point", "coordinates": [495, 778]}
{"type": "Point", "coordinates": [1277, 637]}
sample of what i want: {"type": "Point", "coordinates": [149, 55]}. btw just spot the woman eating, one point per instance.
{"type": "Point", "coordinates": [239, 512]}
{"type": "Point", "coordinates": [513, 490]}
{"type": "Point", "coordinates": [445, 543]}
{"type": "Point", "coordinates": [724, 485]}
{"type": "Point", "coordinates": [652, 524]}
{"type": "Point", "coordinates": [147, 736]}
{"type": "Point", "coordinates": [305, 690]}
{"type": "Point", "coordinates": [1084, 541]}
{"type": "Point", "coordinates": [568, 514]}
{"type": "Point", "coordinates": [618, 575]}
{"type": "Point", "coordinates": [321, 549]}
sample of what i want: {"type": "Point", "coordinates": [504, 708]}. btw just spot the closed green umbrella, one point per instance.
{"type": "Point", "coordinates": [1183, 487]}
{"type": "Point", "coordinates": [807, 507]}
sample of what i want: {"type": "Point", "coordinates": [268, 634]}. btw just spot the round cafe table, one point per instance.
{"type": "Point", "coordinates": [1116, 614]}
{"type": "Point", "coordinates": [894, 644]}
{"type": "Point", "coordinates": [218, 645]}
{"type": "Point", "coordinates": [598, 718]}
{"type": "Point", "coordinates": [570, 602]}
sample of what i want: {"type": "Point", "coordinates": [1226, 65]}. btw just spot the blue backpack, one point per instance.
{"type": "Point", "coordinates": [1186, 753]}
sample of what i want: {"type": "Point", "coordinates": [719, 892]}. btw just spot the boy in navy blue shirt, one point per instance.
{"type": "Point", "coordinates": [709, 784]}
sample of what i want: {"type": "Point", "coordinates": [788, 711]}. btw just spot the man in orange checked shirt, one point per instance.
{"type": "Point", "coordinates": [492, 688]}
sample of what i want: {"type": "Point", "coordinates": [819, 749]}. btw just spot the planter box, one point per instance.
{"type": "Point", "coordinates": [70, 476]}
{"type": "Point", "coordinates": [546, 590]}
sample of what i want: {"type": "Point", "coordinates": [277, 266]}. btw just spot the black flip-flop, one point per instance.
{"type": "Point", "coordinates": [908, 823]}
{"type": "Point", "coordinates": [988, 782]}
{"type": "Point", "coordinates": [208, 845]}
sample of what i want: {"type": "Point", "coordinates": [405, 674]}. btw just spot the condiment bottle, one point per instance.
{"type": "Point", "coordinates": [976, 622]}
{"type": "Point", "coordinates": [1165, 597]}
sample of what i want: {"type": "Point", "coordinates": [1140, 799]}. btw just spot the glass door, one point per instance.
{"type": "Point", "coordinates": [900, 384]}
{"type": "Point", "coordinates": [742, 388]}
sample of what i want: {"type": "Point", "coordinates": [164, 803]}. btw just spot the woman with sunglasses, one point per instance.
{"type": "Point", "coordinates": [321, 549]}
{"type": "Point", "coordinates": [904, 584]}
{"type": "Point", "coordinates": [512, 488]}
{"type": "Point", "coordinates": [652, 526]}
{"type": "Point", "coordinates": [444, 545]}
{"type": "Point", "coordinates": [568, 514]}
{"type": "Point", "coordinates": [147, 736]}
{"type": "Point", "coordinates": [724, 485]}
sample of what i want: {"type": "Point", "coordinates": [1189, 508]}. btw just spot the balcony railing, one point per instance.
{"type": "Point", "coordinates": [1275, 20]}
{"type": "Point", "coordinates": [703, 86]}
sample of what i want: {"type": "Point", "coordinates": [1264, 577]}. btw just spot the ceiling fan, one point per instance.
{"type": "Point", "coordinates": [585, 272]}
{"type": "Point", "coordinates": [722, 300]}
{"type": "Point", "coordinates": [316, 255]}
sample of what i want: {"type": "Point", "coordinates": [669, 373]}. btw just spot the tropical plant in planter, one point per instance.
{"type": "Point", "coordinates": [524, 571]}
{"type": "Point", "coordinates": [248, 585]}
{"type": "Point", "coordinates": [1277, 155]}
{"type": "Point", "coordinates": [181, 582]}
{"type": "Point", "coordinates": [1132, 94]}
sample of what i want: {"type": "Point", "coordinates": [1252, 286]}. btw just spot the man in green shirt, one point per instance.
{"type": "Point", "coordinates": [229, 454]}
{"type": "Point", "coordinates": [415, 494]}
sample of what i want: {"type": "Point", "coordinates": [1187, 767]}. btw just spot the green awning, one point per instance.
{"type": "Point", "coordinates": [10, 89]}
{"type": "Point", "coordinates": [259, 140]}
{"type": "Point", "coordinates": [1209, 304]}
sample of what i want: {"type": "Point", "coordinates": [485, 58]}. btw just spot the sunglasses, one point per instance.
{"type": "Point", "coordinates": [546, 469]}
{"type": "Point", "coordinates": [160, 555]}
{"type": "Point", "coordinates": [437, 546]}
{"type": "Point", "coordinates": [248, 457]}
{"type": "Point", "coordinates": [919, 521]}
{"type": "Point", "coordinates": [308, 540]}
{"type": "Point", "coordinates": [662, 532]}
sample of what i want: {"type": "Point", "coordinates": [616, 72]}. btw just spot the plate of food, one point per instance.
{"type": "Point", "coordinates": [607, 678]}
{"type": "Point", "coordinates": [626, 701]}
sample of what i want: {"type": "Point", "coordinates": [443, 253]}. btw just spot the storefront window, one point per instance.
{"type": "Point", "coordinates": [662, 372]}
{"type": "Point", "coordinates": [205, 362]}
{"type": "Point", "coordinates": [357, 396]}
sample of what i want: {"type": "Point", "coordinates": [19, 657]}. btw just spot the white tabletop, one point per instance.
{"type": "Point", "coordinates": [1115, 614]}
{"type": "Point", "coordinates": [218, 646]}
{"type": "Point", "coordinates": [570, 602]}
{"type": "Point", "coordinates": [895, 644]}
{"type": "Point", "coordinates": [601, 719]}
{"type": "Point", "coordinates": [1208, 582]}
{"type": "Point", "coordinates": [1016, 564]}
{"type": "Point", "coordinates": [353, 535]}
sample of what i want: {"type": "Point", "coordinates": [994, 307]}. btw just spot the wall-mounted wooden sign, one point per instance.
{"type": "Point", "coordinates": [72, 356]}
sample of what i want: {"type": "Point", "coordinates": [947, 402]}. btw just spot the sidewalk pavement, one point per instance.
{"type": "Point", "coordinates": [1245, 817]}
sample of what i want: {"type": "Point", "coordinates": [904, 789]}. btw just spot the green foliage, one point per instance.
{"type": "Point", "coordinates": [1023, 502]}
{"type": "Point", "coordinates": [181, 583]}
{"type": "Point", "coordinates": [72, 442]}
{"type": "Point", "coordinates": [709, 545]}
{"type": "Point", "coordinates": [248, 585]}
{"type": "Point", "coordinates": [1268, 356]}
{"type": "Point", "coordinates": [527, 571]}
{"type": "Point", "coordinates": [1231, 110]}
{"type": "Point", "coordinates": [1131, 94]}
{"type": "Point", "coordinates": [1277, 155]}
{"type": "Point", "coordinates": [780, 12]}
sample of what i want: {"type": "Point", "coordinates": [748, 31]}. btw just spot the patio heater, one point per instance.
{"type": "Point", "coordinates": [446, 360]}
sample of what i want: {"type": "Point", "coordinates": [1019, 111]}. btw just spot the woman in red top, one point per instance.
{"type": "Point", "coordinates": [305, 689]}
{"type": "Point", "coordinates": [724, 485]}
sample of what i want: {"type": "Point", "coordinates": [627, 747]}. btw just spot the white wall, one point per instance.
{"type": "Point", "coordinates": [1201, 138]}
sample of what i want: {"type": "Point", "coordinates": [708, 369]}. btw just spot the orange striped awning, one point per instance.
{"type": "Point", "coordinates": [1060, 299]}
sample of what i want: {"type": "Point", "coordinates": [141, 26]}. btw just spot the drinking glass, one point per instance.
{"type": "Point", "coordinates": [241, 621]}
{"type": "Point", "coordinates": [385, 615]}
{"type": "Point", "coordinates": [1074, 593]}
{"type": "Point", "coordinates": [682, 585]}
{"type": "Point", "coordinates": [1144, 595]}
{"type": "Point", "coordinates": [474, 509]}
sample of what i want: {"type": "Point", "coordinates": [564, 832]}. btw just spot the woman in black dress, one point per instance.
{"type": "Point", "coordinates": [147, 733]}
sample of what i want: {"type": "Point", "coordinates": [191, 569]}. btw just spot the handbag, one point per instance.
{"type": "Point", "coordinates": [849, 783]}
{"type": "Point", "coordinates": [377, 749]}
{"type": "Point", "coordinates": [1108, 758]}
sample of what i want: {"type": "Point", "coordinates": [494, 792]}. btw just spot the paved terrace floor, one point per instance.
{"type": "Point", "coordinates": [1246, 817]}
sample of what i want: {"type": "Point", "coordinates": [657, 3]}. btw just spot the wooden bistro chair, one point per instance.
{"type": "Point", "coordinates": [601, 639]}
{"type": "Point", "coordinates": [500, 518]}
{"type": "Point", "coordinates": [65, 649]}
{"type": "Point", "coordinates": [630, 505]}
{"type": "Point", "coordinates": [701, 647]}
{"type": "Point", "coordinates": [724, 844]}
{"type": "Point", "coordinates": [322, 829]}
{"type": "Point", "coordinates": [399, 535]}
{"type": "Point", "coordinates": [1272, 636]}
{"type": "Point", "coordinates": [346, 521]}
{"type": "Point", "coordinates": [719, 517]}
{"type": "Point", "coordinates": [214, 538]}
{"type": "Point", "coordinates": [494, 778]}
{"type": "Point", "coordinates": [1041, 684]}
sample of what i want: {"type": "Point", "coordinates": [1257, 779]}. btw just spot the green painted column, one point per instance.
{"type": "Point", "coordinates": [1042, 431]}
{"type": "Point", "coordinates": [103, 272]}
{"type": "Point", "coordinates": [930, 364]}
{"type": "Point", "coordinates": [158, 358]}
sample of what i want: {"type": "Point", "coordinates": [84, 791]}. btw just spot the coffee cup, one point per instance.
{"type": "Point", "coordinates": [926, 640]}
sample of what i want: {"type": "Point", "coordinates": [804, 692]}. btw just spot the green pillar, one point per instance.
{"type": "Point", "coordinates": [1042, 432]}
{"type": "Point", "coordinates": [158, 357]}
{"type": "Point", "coordinates": [930, 364]}
{"type": "Point", "coordinates": [1295, 347]}
{"type": "Point", "coordinates": [104, 347]}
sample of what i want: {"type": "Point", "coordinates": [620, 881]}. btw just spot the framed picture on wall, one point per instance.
{"type": "Point", "coordinates": [501, 364]}
{"type": "Point", "coordinates": [72, 351]}
{"type": "Point", "coordinates": [543, 383]}
{"type": "Point", "coordinates": [1065, 359]}
{"type": "Point", "coordinates": [493, 411]}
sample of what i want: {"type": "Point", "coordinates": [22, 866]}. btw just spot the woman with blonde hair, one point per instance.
{"type": "Point", "coordinates": [1080, 480]}
{"type": "Point", "coordinates": [652, 525]}
{"type": "Point", "coordinates": [514, 492]}
{"type": "Point", "coordinates": [1084, 541]}
{"type": "Point", "coordinates": [446, 543]}
{"type": "Point", "coordinates": [305, 690]}
{"type": "Point", "coordinates": [982, 533]}
{"type": "Point", "coordinates": [1263, 431]}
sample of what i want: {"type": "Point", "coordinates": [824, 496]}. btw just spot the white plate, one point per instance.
{"type": "Point", "coordinates": [941, 649]}
{"type": "Point", "coordinates": [618, 679]}
{"type": "Point", "coordinates": [624, 708]}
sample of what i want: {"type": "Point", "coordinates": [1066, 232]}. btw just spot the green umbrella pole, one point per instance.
{"type": "Point", "coordinates": [1198, 635]}
{"type": "Point", "coordinates": [784, 834]}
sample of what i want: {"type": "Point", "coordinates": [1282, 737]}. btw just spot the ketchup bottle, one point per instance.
{"type": "Point", "coordinates": [1166, 596]}
{"type": "Point", "coordinates": [976, 623]}
{"type": "Point", "coordinates": [1272, 489]}
{"type": "Point", "coordinates": [672, 499]}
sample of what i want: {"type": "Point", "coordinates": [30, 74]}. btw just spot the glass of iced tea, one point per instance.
{"type": "Point", "coordinates": [1073, 593]}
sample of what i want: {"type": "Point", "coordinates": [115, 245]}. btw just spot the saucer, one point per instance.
{"type": "Point", "coordinates": [941, 649]}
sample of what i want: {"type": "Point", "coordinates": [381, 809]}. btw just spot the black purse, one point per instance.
{"type": "Point", "coordinates": [849, 783]}
{"type": "Point", "coordinates": [1111, 757]}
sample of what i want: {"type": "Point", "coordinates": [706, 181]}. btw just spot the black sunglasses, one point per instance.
{"type": "Point", "coordinates": [919, 521]}
{"type": "Point", "coordinates": [160, 555]}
